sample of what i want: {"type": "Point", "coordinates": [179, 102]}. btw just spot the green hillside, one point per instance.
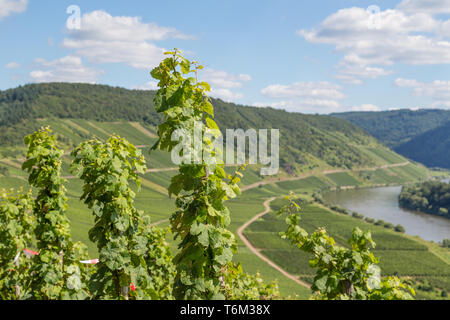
{"type": "Point", "coordinates": [422, 135]}
{"type": "Point", "coordinates": [431, 148]}
{"type": "Point", "coordinates": [307, 141]}
{"type": "Point", "coordinates": [397, 127]}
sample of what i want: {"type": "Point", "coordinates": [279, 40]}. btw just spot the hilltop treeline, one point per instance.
{"type": "Point", "coordinates": [429, 197]}
{"type": "Point", "coordinates": [304, 139]}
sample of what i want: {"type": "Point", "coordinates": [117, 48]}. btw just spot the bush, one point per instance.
{"type": "Point", "coordinates": [443, 211]}
{"type": "Point", "coordinates": [388, 225]}
{"type": "Point", "coordinates": [380, 223]}
{"type": "Point", "coordinates": [369, 220]}
{"type": "Point", "coordinates": [4, 171]}
{"type": "Point", "coordinates": [357, 215]}
{"type": "Point", "coordinates": [339, 209]}
{"type": "Point", "coordinates": [446, 243]}
{"type": "Point", "coordinates": [399, 228]}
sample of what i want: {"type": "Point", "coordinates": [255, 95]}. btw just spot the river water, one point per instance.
{"type": "Point", "coordinates": [382, 203]}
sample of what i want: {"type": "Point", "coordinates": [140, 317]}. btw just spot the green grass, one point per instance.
{"type": "Point", "coordinates": [293, 260]}
{"type": "Point", "coordinates": [252, 264]}
{"type": "Point", "coordinates": [343, 179]}
{"type": "Point", "coordinates": [387, 155]}
{"type": "Point", "coordinates": [411, 263]}
{"type": "Point", "coordinates": [310, 183]}
{"type": "Point", "coordinates": [162, 178]}
{"type": "Point", "coordinates": [126, 130]}
{"type": "Point", "coordinates": [13, 182]}
{"type": "Point", "coordinates": [380, 176]}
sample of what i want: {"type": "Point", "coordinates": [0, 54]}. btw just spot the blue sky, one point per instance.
{"type": "Point", "coordinates": [303, 56]}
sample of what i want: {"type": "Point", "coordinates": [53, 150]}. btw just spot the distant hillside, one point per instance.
{"type": "Point", "coordinates": [397, 127]}
{"type": "Point", "coordinates": [431, 148]}
{"type": "Point", "coordinates": [423, 135]}
{"type": "Point", "coordinates": [307, 141]}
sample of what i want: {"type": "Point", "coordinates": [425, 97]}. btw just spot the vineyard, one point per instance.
{"type": "Point", "coordinates": [122, 189]}
{"type": "Point", "coordinates": [398, 254]}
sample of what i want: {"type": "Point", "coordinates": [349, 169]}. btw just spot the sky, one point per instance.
{"type": "Point", "coordinates": [318, 56]}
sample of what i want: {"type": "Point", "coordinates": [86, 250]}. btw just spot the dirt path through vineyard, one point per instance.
{"type": "Point", "coordinates": [267, 210]}
{"type": "Point", "coordinates": [258, 253]}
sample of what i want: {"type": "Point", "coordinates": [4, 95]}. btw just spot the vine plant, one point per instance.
{"type": "Point", "coordinates": [16, 229]}
{"type": "Point", "coordinates": [201, 188]}
{"type": "Point", "coordinates": [57, 271]}
{"type": "Point", "coordinates": [342, 273]}
{"type": "Point", "coordinates": [128, 247]}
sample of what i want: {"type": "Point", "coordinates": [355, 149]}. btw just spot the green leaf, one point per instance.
{"type": "Point", "coordinates": [225, 257]}
{"type": "Point", "coordinates": [321, 283]}
{"type": "Point", "coordinates": [211, 124]}
{"type": "Point", "coordinates": [208, 108]}
{"type": "Point", "coordinates": [203, 238]}
{"type": "Point", "coordinates": [197, 228]}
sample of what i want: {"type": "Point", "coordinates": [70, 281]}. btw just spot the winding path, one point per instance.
{"type": "Point", "coordinates": [259, 254]}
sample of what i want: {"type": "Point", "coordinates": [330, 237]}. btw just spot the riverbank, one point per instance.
{"type": "Point", "coordinates": [382, 204]}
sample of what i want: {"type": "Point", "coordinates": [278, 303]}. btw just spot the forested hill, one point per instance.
{"type": "Point", "coordinates": [307, 141]}
{"type": "Point", "coordinates": [422, 135]}
{"type": "Point", "coordinates": [431, 148]}
{"type": "Point", "coordinates": [397, 127]}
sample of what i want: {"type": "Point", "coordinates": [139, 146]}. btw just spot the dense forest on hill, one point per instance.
{"type": "Point", "coordinates": [396, 127]}
{"type": "Point", "coordinates": [422, 135]}
{"type": "Point", "coordinates": [431, 148]}
{"type": "Point", "coordinates": [305, 139]}
{"type": "Point", "coordinates": [429, 197]}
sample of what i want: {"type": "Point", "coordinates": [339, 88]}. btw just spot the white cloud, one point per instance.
{"type": "Point", "coordinates": [303, 106]}
{"type": "Point", "coordinates": [152, 85]}
{"type": "Point", "coordinates": [103, 38]}
{"type": "Point", "coordinates": [223, 82]}
{"type": "Point", "coordinates": [440, 105]}
{"type": "Point", "coordinates": [308, 90]}
{"type": "Point", "coordinates": [351, 69]}
{"type": "Point", "coordinates": [425, 6]}
{"type": "Point", "coordinates": [438, 90]}
{"type": "Point", "coordinates": [306, 97]}
{"type": "Point", "coordinates": [366, 107]}
{"type": "Point", "coordinates": [370, 43]}
{"type": "Point", "coordinates": [12, 65]}
{"type": "Point", "coordinates": [66, 69]}
{"type": "Point", "coordinates": [222, 79]}
{"type": "Point", "coordinates": [225, 94]}
{"type": "Point", "coordinates": [8, 7]}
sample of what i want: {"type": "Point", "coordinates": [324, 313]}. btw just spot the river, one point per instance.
{"type": "Point", "coordinates": [382, 203]}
